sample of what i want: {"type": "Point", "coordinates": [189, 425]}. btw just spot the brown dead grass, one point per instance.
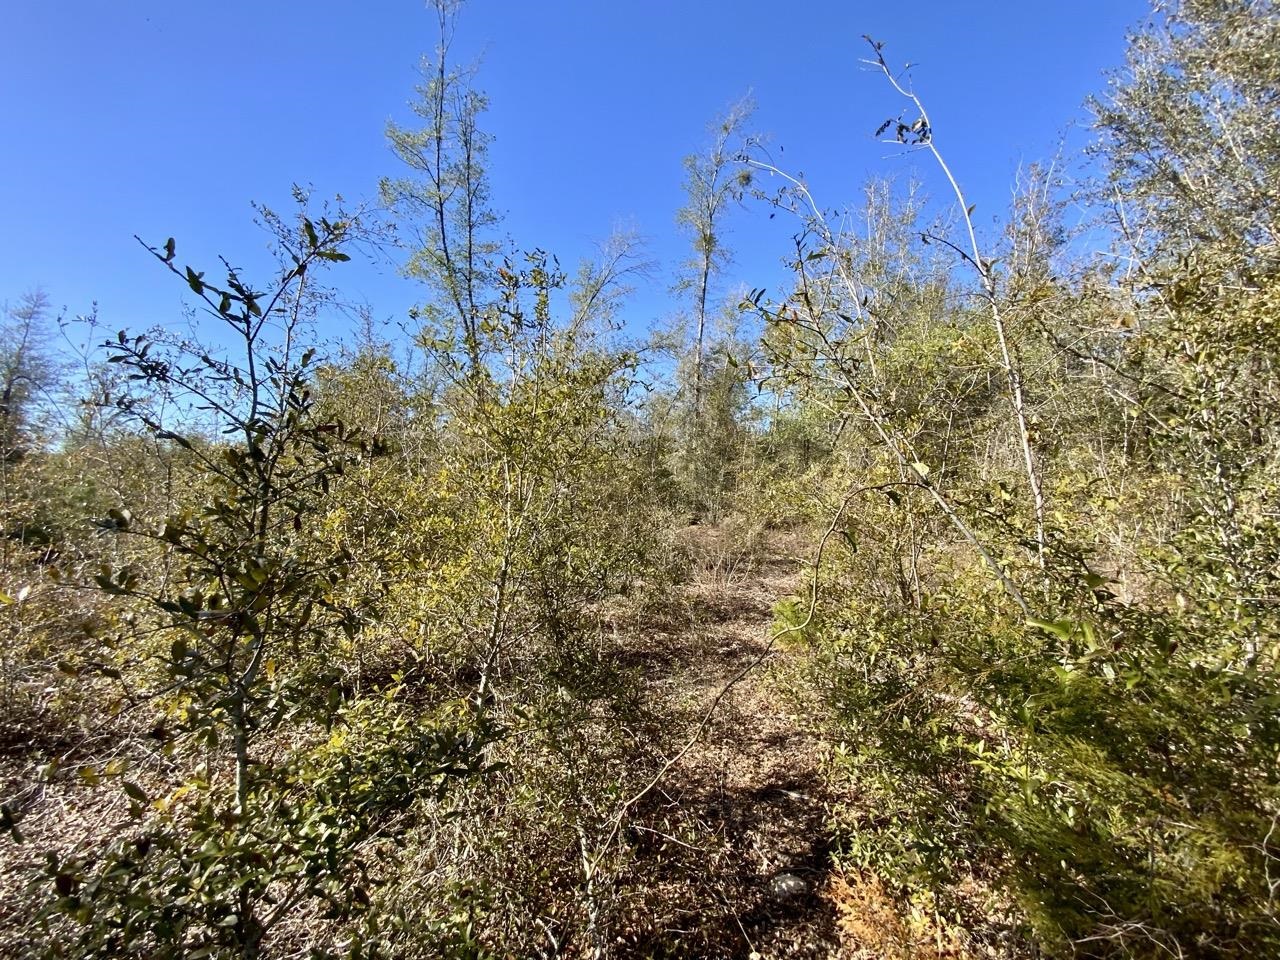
{"type": "Point", "coordinates": [872, 923]}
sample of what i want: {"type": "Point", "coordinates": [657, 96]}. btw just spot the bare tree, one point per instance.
{"type": "Point", "coordinates": [919, 133]}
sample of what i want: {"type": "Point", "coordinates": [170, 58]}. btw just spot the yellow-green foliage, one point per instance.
{"type": "Point", "coordinates": [1084, 725]}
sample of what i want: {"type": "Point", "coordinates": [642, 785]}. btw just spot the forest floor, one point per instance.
{"type": "Point", "coordinates": [750, 786]}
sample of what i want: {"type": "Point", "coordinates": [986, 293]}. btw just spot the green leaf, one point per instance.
{"type": "Point", "coordinates": [1059, 628]}
{"type": "Point", "coordinates": [135, 792]}
{"type": "Point", "coordinates": [108, 585]}
{"type": "Point", "coordinates": [1090, 638]}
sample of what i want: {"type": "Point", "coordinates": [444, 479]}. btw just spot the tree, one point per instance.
{"type": "Point", "coordinates": [920, 133]}
{"type": "Point", "coordinates": [1188, 134]}
{"type": "Point", "coordinates": [444, 204]}
{"type": "Point", "coordinates": [235, 607]}
{"type": "Point", "coordinates": [600, 286]}
{"type": "Point", "coordinates": [713, 181]}
{"type": "Point", "coordinates": [28, 373]}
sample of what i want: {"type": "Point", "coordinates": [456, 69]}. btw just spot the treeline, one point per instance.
{"type": "Point", "coordinates": [320, 656]}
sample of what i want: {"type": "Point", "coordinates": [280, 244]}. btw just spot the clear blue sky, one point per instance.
{"type": "Point", "coordinates": [168, 118]}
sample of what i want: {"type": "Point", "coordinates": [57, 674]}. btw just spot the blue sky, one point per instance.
{"type": "Point", "coordinates": [168, 118]}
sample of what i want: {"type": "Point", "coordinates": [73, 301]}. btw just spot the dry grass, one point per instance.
{"type": "Point", "coordinates": [875, 924]}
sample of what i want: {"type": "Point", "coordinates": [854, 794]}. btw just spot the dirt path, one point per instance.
{"type": "Point", "coordinates": [750, 786]}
